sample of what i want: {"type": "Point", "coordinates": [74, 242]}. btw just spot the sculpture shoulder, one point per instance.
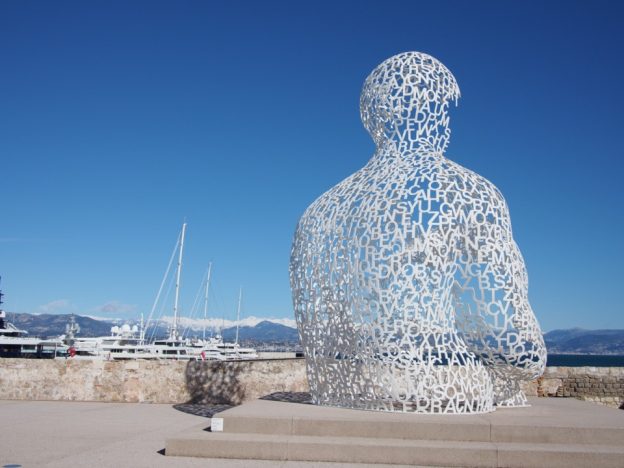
{"type": "Point", "coordinates": [379, 181]}
{"type": "Point", "coordinates": [339, 196]}
{"type": "Point", "coordinates": [476, 184]}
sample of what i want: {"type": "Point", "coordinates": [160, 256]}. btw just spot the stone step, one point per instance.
{"type": "Point", "coordinates": [552, 432]}
{"type": "Point", "coordinates": [201, 443]}
{"type": "Point", "coordinates": [562, 421]}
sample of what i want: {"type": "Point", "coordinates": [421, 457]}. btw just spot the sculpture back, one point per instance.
{"type": "Point", "coordinates": [409, 291]}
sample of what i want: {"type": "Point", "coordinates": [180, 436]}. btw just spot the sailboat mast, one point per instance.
{"type": "Point", "coordinates": [142, 329]}
{"type": "Point", "coordinates": [206, 298]}
{"type": "Point", "coordinates": [174, 328]}
{"type": "Point", "coordinates": [240, 298]}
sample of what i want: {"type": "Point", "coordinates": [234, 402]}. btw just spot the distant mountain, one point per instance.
{"type": "Point", "coordinates": [570, 341]}
{"type": "Point", "coordinates": [578, 340]}
{"type": "Point", "coordinates": [263, 332]}
{"type": "Point", "coordinates": [48, 325]}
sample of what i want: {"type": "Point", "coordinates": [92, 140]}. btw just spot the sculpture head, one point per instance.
{"type": "Point", "coordinates": [405, 100]}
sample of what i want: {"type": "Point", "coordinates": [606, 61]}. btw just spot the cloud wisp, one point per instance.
{"type": "Point", "coordinates": [115, 307]}
{"type": "Point", "coordinates": [56, 306]}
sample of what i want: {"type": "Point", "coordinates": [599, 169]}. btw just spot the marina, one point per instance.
{"type": "Point", "coordinates": [176, 345]}
{"type": "Point", "coordinates": [128, 342]}
{"type": "Point", "coordinates": [14, 342]}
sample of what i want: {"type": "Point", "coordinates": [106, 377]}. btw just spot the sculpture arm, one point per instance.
{"type": "Point", "coordinates": [492, 306]}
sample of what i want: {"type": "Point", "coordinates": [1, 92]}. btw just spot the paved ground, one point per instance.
{"type": "Point", "coordinates": [79, 434]}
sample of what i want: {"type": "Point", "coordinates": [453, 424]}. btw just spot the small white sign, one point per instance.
{"type": "Point", "coordinates": [216, 425]}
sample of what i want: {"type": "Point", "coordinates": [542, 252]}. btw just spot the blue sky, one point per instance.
{"type": "Point", "coordinates": [119, 119]}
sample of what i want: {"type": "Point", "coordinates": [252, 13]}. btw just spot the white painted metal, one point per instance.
{"type": "Point", "coordinates": [238, 309]}
{"type": "Point", "coordinates": [409, 291]}
{"type": "Point", "coordinates": [206, 299]}
{"type": "Point", "coordinates": [160, 290]}
{"type": "Point", "coordinates": [174, 326]}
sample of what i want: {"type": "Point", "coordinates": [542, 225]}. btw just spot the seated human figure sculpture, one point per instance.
{"type": "Point", "coordinates": [410, 293]}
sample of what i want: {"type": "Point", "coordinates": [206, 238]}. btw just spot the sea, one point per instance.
{"type": "Point", "coordinates": [583, 360]}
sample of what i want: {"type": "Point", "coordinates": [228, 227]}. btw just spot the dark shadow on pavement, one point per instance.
{"type": "Point", "coordinates": [290, 397]}
{"type": "Point", "coordinates": [207, 411]}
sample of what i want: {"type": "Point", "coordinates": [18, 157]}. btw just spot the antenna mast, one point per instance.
{"type": "Point", "coordinates": [240, 298]}
{"type": "Point", "coordinates": [174, 328]}
{"type": "Point", "coordinates": [206, 298]}
{"type": "Point", "coordinates": [142, 329]}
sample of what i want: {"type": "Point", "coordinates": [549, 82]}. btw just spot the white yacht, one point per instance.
{"type": "Point", "coordinates": [171, 349]}
{"type": "Point", "coordinates": [15, 343]}
{"type": "Point", "coordinates": [234, 352]}
{"type": "Point", "coordinates": [123, 343]}
{"type": "Point", "coordinates": [217, 349]}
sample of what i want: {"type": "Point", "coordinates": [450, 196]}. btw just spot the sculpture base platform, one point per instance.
{"type": "Point", "coordinates": [553, 432]}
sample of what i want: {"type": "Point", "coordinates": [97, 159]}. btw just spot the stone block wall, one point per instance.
{"type": "Point", "coordinates": [148, 381]}
{"type": "Point", "coordinates": [604, 385]}
{"type": "Point", "coordinates": [211, 382]}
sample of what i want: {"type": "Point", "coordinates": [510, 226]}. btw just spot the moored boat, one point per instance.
{"type": "Point", "coordinates": [15, 343]}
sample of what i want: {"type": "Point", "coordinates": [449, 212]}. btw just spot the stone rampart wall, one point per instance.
{"type": "Point", "coordinates": [233, 382]}
{"type": "Point", "coordinates": [603, 385]}
{"type": "Point", "coordinates": [148, 381]}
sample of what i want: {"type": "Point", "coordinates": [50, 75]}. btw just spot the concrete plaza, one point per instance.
{"type": "Point", "coordinates": [88, 434]}
{"type": "Point", "coordinates": [82, 434]}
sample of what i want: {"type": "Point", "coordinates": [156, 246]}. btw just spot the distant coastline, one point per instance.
{"type": "Point", "coordinates": [582, 360]}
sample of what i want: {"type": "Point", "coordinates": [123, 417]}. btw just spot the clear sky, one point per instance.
{"type": "Point", "coordinates": [118, 119]}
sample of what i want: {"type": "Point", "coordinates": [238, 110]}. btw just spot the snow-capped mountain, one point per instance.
{"type": "Point", "coordinates": [251, 328]}
{"type": "Point", "coordinates": [217, 323]}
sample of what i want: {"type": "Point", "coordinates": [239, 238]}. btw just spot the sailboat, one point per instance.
{"type": "Point", "coordinates": [174, 347]}
{"type": "Point", "coordinates": [126, 342]}
{"type": "Point", "coordinates": [223, 351]}
{"type": "Point", "coordinates": [206, 349]}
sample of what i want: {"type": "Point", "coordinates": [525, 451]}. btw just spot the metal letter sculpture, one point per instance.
{"type": "Point", "coordinates": [410, 293]}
